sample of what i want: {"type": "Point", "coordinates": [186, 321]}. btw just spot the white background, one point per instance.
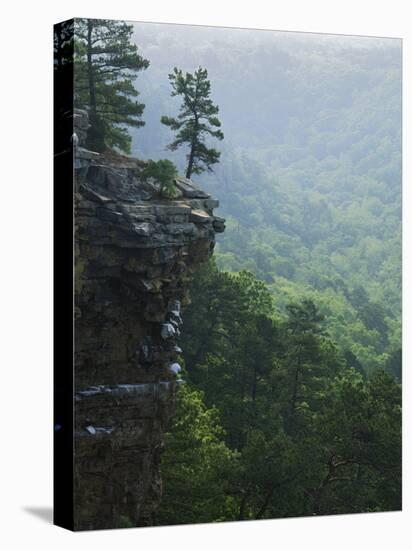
{"type": "Point", "coordinates": [26, 273]}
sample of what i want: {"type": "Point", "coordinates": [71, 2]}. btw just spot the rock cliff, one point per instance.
{"type": "Point", "coordinates": [135, 253]}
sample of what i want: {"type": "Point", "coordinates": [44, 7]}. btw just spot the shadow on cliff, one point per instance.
{"type": "Point", "coordinates": [40, 512]}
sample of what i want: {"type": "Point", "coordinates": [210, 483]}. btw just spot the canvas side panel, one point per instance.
{"type": "Point", "coordinates": [63, 274]}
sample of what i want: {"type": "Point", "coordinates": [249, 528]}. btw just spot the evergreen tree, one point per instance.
{"type": "Point", "coordinates": [195, 464]}
{"type": "Point", "coordinates": [197, 119]}
{"type": "Point", "coordinates": [272, 422]}
{"type": "Point", "coordinates": [305, 358]}
{"type": "Point", "coordinates": [105, 64]}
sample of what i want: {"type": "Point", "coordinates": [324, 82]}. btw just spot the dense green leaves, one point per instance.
{"type": "Point", "coordinates": [275, 421]}
{"type": "Point", "coordinates": [163, 172]}
{"type": "Point", "coordinates": [196, 464]}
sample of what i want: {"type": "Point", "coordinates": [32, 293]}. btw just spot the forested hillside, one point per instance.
{"type": "Point", "coordinates": [274, 420]}
{"type": "Point", "coordinates": [292, 344]}
{"type": "Point", "coordinates": [310, 172]}
{"type": "Point", "coordinates": [261, 377]}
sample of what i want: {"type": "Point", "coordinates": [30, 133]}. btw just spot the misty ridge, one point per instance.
{"type": "Point", "coordinates": [286, 343]}
{"type": "Point", "coordinates": [309, 177]}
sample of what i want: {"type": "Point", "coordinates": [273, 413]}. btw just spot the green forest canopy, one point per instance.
{"type": "Point", "coordinates": [292, 404]}
{"type": "Point", "coordinates": [309, 178]}
{"type": "Point", "coordinates": [274, 420]}
{"type": "Point", "coordinates": [292, 343]}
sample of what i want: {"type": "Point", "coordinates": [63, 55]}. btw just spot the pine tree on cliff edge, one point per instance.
{"type": "Point", "coordinates": [106, 63]}
{"type": "Point", "coordinates": [196, 120]}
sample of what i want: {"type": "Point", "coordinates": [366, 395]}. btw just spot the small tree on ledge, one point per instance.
{"type": "Point", "coordinates": [162, 171]}
{"type": "Point", "coordinates": [196, 120]}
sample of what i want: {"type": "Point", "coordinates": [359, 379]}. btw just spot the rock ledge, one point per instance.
{"type": "Point", "coordinates": [135, 254]}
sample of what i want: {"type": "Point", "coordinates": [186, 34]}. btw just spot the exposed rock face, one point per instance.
{"type": "Point", "coordinates": [135, 253]}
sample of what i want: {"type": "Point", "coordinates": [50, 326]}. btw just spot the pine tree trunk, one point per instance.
{"type": "Point", "coordinates": [191, 160]}
{"type": "Point", "coordinates": [192, 149]}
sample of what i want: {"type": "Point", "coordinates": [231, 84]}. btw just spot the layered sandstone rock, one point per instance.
{"type": "Point", "coordinates": [135, 253]}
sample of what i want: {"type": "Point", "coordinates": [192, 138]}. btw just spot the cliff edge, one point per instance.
{"type": "Point", "coordinates": [135, 254]}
